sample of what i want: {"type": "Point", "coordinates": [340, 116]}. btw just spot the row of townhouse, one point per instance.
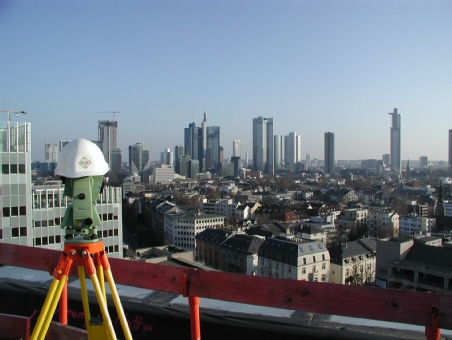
{"type": "Point", "coordinates": [384, 222]}
{"type": "Point", "coordinates": [284, 256]}
{"type": "Point", "coordinates": [229, 208]}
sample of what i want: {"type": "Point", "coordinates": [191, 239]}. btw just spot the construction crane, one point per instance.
{"type": "Point", "coordinates": [111, 112]}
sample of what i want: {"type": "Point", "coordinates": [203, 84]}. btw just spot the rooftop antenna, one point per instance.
{"type": "Point", "coordinates": [193, 116]}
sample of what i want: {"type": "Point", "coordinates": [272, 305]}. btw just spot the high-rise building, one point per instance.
{"type": "Point", "coordinates": [387, 159]}
{"type": "Point", "coordinates": [16, 219]}
{"type": "Point", "coordinates": [237, 164]}
{"type": "Point", "coordinates": [178, 152]}
{"type": "Point", "coordinates": [236, 148]}
{"type": "Point", "coordinates": [108, 135]}
{"type": "Point", "coordinates": [263, 147]}
{"type": "Point", "coordinates": [450, 150]}
{"type": "Point", "coordinates": [329, 153]}
{"type": "Point", "coordinates": [167, 157]}
{"type": "Point", "coordinates": [116, 160]}
{"type": "Point", "coordinates": [213, 148]}
{"type": "Point", "coordinates": [292, 150]}
{"type": "Point", "coordinates": [308, 158]}
{"type": "Point", "coordinates": [138, 158]}
{"type": "Point", "coordinates": [278, 145]}
{"type": "Point", "coordinates": [183, 166]}
{"type": "Point", "coordinates": [202, 143]}
{"type": "Point", "coordinates": [396, 141]}
{"type": "Point", "coordinates": [423, 161]}
{"type": "Point", "coordinates": [51, 153]}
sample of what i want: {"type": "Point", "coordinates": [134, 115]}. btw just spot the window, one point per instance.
{"type": "Point", "coordinates": [313, 259]}
{"type": "Point", "coordinates": [5, 169]}
{"type": "Point", "coordinates": [303, 271]}
{"type": "Point", "coordinates": [51, 239]}
{"type": "Point", "coordinates": [304, 260]}
{"type": "Point", "coordinates": [44, 224]}
{"type": "Point", "coordinates": [14, 211]}
{"type": "Point", "coordinates": [50, 223]}
{"type": "Point", "coordinates": [13, 168]}
{"type": "Point", "coordinates": [57, 221]}
{"type": "Point", "coordinates": [323, 266]}
{"type": "Point", "coordinates": [323, 257]}
{"type": "Point", "coordinates": [23, 231]}
{"type": "Point", "coordinates": [110, 232]}
{"type": "Point", "coordinates": [37, 241]}
{"type": "Point", "coordinates": [23, 211]}
{"type": "Point", "coordinates": [58, 239]}
{"type": "Point", "coordinates": [45, 241]}
{"type": "Point", "coordinates": [115, 232]}
{"type": "Point", "coordinates": [21, 168]}
{"type": "Point", "coordinates": [14, 232]}
{"type": "Point", "coordinates": [6, 212]}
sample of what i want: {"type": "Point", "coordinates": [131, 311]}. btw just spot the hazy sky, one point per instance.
{"type": "Point", "coordinates": [313, 66]}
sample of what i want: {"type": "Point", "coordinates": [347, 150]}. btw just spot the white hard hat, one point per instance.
{"type": "Point", "coordinates": [81, 158]}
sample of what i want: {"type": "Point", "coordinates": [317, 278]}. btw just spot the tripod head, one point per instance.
{"type": "Point", "coordinates": [81, 166]}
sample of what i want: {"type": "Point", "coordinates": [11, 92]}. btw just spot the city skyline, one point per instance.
{"type": "Point", "coordinates": [312, 66]}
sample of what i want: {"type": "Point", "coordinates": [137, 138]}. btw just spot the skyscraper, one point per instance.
{"type": "Point", "coordinates": [202, 143]}
{"type": "Point", "coordinates": [396, 141]}
{"type": "Point", "coordinates": [236, 148]}
{"type": "Point", "coordinates": [263, 147]}
{"type": "Point", "coordinates": [167, 157]}
{"type": "Point", "coordinates": [178, 151]}
{"type": "Point", "coordinates": [51, 153]}
{"type": "Point", "coordinates": [450, 150]}
{"type": "Point", "coordinates": [292, 150]}
{"type": "Point", "coordinates": [423, 161]}
{"type": "Point", "coordinates": [278, 145]}
{"type": "Point", "coordinates": [329, 153]}
{"type": "Point", "coordinates": [108, 135]}
{"type": "Point", "coordinates": [213, 148]}
{"type": "Point", "coordinates": [138, 158]}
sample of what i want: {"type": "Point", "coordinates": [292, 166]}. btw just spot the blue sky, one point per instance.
{"type": "Point", "coordinates": [313, 66]}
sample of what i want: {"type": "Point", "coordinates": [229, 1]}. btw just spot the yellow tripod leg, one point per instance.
{"type": "Point", "coordinates": [52, 308]}
{"type": "Point", "coordinates": [103, 306]}
{"type": "Point", "coordinates": [118, 305]}
{"type": "Point", "coordinates": [44, 311]}
{"type": "Point", "coordinates": [85, 301]}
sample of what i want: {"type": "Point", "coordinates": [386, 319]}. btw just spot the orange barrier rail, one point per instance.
{"type": "Point", "coordinates": [431, 310]}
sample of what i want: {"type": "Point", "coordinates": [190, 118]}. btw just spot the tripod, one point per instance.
{"type": "Point", "coordinates": [88, 255]}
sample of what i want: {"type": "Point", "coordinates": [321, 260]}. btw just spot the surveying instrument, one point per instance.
{"type": "Point", "coordinates": [81, 166]}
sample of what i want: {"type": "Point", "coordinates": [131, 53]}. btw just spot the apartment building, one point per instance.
{"type": "Point", "coordinates": [239, 254]}
{"type": "Point", "coordinates": [181, 227]}
{"type": "Point", "coordinates": [353, 262]}
{"type": "Point", "coordinates": [208, 246]}
{"type": "Point", "coordinates": [418, 225]}
{"type": "Point", "coordinates": [294, 258]}
{"type": "Point", "coordinates": [382, 222]}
